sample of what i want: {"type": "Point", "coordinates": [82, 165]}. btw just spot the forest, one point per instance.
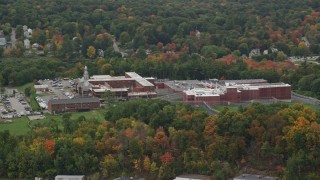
{"type": "Point", "coordinates": [210, 28]}
{"type": "Point", "coordinates": [173, 39]}
{"type": "Point", "coordinates": [159, 140]}
{"type": "Point", "coordinates": [304, 79]}
{"type": "Point", "coordinates": [181, 39]}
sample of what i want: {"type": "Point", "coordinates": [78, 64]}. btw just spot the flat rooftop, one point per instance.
{"type": "Point", "coordinates": [110, 89]}
{"type": "Point", "coordinates": [222, 89]}
{"type": "Point", "coordinates": [259, 86]}
{"type": "Point", "coordinates": [182, 85]}
{"type": "Point", "coordinates": [132, 77]}
{"type": "Point", "coordinates": [245, 81]}
{"type": "Point", "coordinates": [40, 86]}
{"type": "Point", "coordinates": [100, 76]}
{"type": "Point", "coordinates": [204, 92]}
{"type": "Point", "coordinates": [131, 94]}
{"type": "Point", "coordinates": [139, 79]}
{"type": "Point", "coordinates": [192, 177]}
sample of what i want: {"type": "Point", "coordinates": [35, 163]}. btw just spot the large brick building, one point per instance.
{"type": "Point", "coordinates": [131, 85]}
{"type": "Point", "coordinates": [236, 92]}
{"type": "Point", "coordinates": [72, 105]}
{"type": "Point", "coordinates": [214, 91]}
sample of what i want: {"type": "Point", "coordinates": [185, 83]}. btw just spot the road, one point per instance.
{"type": "Point", "coordinates": [13, 37]}
{"type": "Point", "coordinates": [116, 47]}
{"type": "Point", "coordinates": [304, 99]}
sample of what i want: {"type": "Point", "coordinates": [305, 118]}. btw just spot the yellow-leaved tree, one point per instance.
{"type": "Point", "coordinates": [91, 52]}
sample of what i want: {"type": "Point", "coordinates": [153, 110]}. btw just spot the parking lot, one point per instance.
{"type": "Point", "coordinates": [2, 109]}
{"type": "Point", "coordinates": [14, 105]}
{"type": "Point", "coordinates": [58, 89]}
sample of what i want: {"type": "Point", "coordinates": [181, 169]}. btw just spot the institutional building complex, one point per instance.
{"type": "Point", "coordinates": [216, 92]}
{"type": "Point", "coordinates": [131, 85]}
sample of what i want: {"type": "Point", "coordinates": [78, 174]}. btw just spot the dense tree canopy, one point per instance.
{"type": "Point", "coordinates": [159, 140]}
{"type": "Point", "coordinates": [223, 26]}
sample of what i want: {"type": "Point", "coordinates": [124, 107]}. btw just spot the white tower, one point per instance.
{"type": "Point", "coordinates": [85, 74]}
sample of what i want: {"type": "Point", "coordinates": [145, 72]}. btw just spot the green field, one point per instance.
{"type": "Point", "coordinates": [230, 107]}
{"type": "Point", "coordinates": [94, 114]}
{"type": "Point", "coordinates": [314, 107]}
{"type": "Point", "coordinates": [23, 87]}
{"type": "Point", "coordinates": [19, 126]}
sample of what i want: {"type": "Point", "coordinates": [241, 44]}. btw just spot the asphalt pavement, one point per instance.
{"type": "Point", "coordinates": [17, 105]}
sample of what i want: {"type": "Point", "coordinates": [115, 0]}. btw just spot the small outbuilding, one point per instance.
{"type": "Point", "coordinates": [69, 177]}
{"type": "Point", "coordinates": [41, 88]}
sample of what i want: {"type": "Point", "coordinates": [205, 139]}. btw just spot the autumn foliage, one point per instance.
{"type": "Point", "coordinates": [173, 138]}
{"type": "Point", "coordinates": [49, 146]}
{"type": "Point", "coordinates": [270, 65]}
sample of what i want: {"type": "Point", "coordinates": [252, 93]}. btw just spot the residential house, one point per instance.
{"type": "Point", "coordinates": [254, 52]}
{"type": "Point", "coordinates": [35, 46]}
{"type": "Point", "coordinates": [306, 41]}
{"type": "Point", "coordinates": [26, 43]}
{"type": "Point", "coordinates": [3, 42]}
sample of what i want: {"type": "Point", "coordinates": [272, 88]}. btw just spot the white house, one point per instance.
{"type": "Point", "coordinates": [254, 52]}
{"type": "Point", "coordinates": [3, 42]}
{"type": "Point", "coordinates": [26, 43]}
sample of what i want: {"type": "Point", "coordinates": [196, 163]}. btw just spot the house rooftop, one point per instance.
{"type": "Point", "coordinates": [3, 41]}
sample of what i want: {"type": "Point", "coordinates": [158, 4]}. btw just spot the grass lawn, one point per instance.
{"type": "Point", "coordinates": [231, 107]}
{"type": "Point", "coordinates": [19, 126]}
{"type": "Point", "coordinates": [94, 114]}
{"type": "Point", "coordinates": [23, 87]}
{"type": "Point", "coordinates": [313, 107]}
